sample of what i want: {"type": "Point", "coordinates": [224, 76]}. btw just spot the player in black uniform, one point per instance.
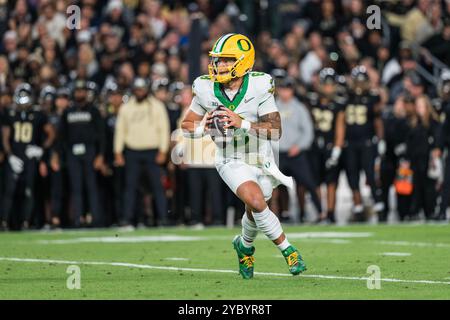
{"type": "Point", "coordinates": [112, 175]}
{"type": "Point", "coordinates": [42, 205]}
{"type": "Point", "coordinates": [444, 142]}
{"type": "Point", "coordinates": [329, 123]}
{"type": "Point", "coordinates": [364, 132]}
{"type": "Point", "coordinates": [27, 137]}
{"type": "Point", "coordinates": [57, 172]}
{"type": "Point", "coordinates": [82, 140]}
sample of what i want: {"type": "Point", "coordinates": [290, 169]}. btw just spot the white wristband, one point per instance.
{"type": "Point", "coordinates": [336, 152]}
{"type": "Point", "coordinates": [246, 125]}
{"type": "Point", "coordinates": [199, 131]}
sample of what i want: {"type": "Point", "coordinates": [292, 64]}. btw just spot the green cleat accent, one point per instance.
{"type": "Point", "coordinates": [294, 260]}
{"type": "Point", "coordinates": [245, 258]}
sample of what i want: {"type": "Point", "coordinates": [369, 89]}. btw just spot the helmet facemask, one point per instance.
{"type": "Point", "coordinates": [230, 71]}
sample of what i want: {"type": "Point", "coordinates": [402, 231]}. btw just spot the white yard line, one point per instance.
{"type": "Point", "coordinates": [414, 244]}
{"type": "Point", "coordinates": [396, 254]}
{"type": "Point", "coordinates": [334, 237]}
{"type": "Point", "coordinates": [146, 266]}
{"type": "Point", "coordinates": [176, 259]}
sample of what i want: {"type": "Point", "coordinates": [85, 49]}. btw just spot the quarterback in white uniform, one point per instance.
{"type": "Point", "coordinates": [246, 163]}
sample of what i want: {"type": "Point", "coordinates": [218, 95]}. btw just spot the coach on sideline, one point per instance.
{"type": "Point", "coordinates": [142, 138]}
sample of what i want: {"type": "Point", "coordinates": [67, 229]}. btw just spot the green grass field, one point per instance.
{"type": "Point", "coordinates": [178, 263]}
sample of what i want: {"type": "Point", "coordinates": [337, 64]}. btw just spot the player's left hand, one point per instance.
{"type": "Point", "coordinates": [98, 162]}
{"type": "Point", "coordinates": [232, 119]}
{"type": "Point", "coordinates": [43, 170]}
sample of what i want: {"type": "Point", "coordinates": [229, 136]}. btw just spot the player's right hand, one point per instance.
{"type": "Point", "coordinates": [334, 158]}
{"type": "Point", "coordinates": [54, 163]}
{"type": "Point", "coordinates": [16, 164]}
{"type": "Point", "coordinates": [209, 118]}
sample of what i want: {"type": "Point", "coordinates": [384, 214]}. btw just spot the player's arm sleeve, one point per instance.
{"type": "Point", "coordinates": [101, 134]}
{"type": "Point", "coordinates": [62, 134]}
{"type": "Point", "coordinates": [196, 104]}
{"type": "Point", "coordinates": [307, 129]}
{"type": "Point", "coordinates": [119, 132]}
{"type": "Point", "coordinates": [267, 102]}
{"type": "Point", "coordinates": [48, 138]}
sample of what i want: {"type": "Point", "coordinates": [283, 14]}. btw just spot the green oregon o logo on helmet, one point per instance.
{"type": "Point", "coordinates": [247, 46]}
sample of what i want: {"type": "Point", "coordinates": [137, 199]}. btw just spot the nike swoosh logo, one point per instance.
{"type": "Point", "coordinates": [248, 100]}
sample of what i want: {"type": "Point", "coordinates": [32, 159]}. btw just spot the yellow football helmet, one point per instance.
{"type": "Point", "coordinates": [236, 46]}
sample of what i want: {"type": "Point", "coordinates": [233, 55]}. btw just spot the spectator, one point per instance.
{"type": "Point", "coordinates": [4, 73]}
{"type": "Point", "coordinates": [439, 43]}
{"type": "Point", "coordinates": [422, 151]}
{"type": "Point", "coordinates": [412, 21]}
{"type": "Point", "coordinates": [53, 21]}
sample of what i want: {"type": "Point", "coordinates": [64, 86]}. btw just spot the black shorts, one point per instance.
{"type": "Point", "coordinates": [318, 159]}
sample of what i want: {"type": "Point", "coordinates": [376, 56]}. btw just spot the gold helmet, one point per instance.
{"type": "Point", "coordinates": [235, 46]}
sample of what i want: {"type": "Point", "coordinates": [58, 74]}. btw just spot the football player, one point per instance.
{"type": "Point", "coordinates": [444, 141]}
{"type": "Point", "coordinates": [327, 109]}
{"type": "Point", "coordinates": [58, 172]}
{"type": "Point", "coordinates": [27, 137]}
{"type": "Point", "coordinates": [246, 101]}
{"type": "Point", "coordinates": [364, 141]}
{"type": "Point", "coordinates": [82, 142]}
{"type": "Point", "coordinates": [113, 176]}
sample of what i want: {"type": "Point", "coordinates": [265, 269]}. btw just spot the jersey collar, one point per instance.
{"type": "Point", "coordinates": [233, 104]}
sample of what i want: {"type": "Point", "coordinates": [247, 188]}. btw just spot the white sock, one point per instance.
{"type": "Point", "coordinates": [249, 231]}
{"type": "Point", "coordinates": [284, 245]}
{"type": "Point", "coordinates": [268, 223]}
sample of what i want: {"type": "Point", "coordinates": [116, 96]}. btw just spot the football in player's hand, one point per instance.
{"type": "Point", "coordinates": [220, 135]}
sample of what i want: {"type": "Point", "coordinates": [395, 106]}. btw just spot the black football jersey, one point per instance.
{"type": "Point", "coordinates": [27, 128]}
{"type": "Point", "coordinates": [110, 126]}
{"type": "Point", "coordinates": [82, 125]}
{"type": "Point", "coordinates": [324, 118]}
{"type": "Point", "coordinates": [359, 116]}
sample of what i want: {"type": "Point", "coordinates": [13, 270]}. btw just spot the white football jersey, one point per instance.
{"type": "Point", "coordinates": [254, 99]}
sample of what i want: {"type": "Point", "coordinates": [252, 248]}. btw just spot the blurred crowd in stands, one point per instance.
{"type": "Point", "coordinates": [367, 100]}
